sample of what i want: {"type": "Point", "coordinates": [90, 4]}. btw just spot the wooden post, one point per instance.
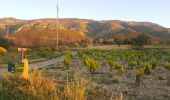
{"type": "Point", "coordinates": [22, 50]}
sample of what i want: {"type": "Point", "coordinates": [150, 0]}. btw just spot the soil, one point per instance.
{"type": "Point", "coordinates": [109, 85]}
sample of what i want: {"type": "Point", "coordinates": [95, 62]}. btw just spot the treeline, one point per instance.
{"type": "Point", "coordinates": [41, 41]}
{"type": "Point", "coordinates": [30, 40]}
{"type": "Point", "coordinates": [140, 40]}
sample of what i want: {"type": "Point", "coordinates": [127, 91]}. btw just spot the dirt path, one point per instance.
{"type": "Point", "coordinates": [46, 63]}
{"type": "Point", "coordinates": [40, 64]}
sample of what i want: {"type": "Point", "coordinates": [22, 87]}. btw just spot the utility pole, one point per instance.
{"type": "Point", "coordinates": [127, 29]}
{"type": "Point", "coordinates": [57, 27]}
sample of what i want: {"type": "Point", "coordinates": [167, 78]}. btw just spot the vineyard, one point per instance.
{"type": "Point", "coordinates": [113, 74]}
{"type": "Point", "coordinates": [96, 75]}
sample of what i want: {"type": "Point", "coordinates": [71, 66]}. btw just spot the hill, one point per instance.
{"type": "Point", "coordinates": [30, 32]}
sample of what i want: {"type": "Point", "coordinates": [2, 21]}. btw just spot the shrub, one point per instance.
{"type": "Point", "coordinates": [5, 42]}
{"type": "Point", "coordinates": [139, 73]}
{"type": "Point", "coordinates": [167, 66]}
{"type": "Point", "coordinates": [67, 59]}
{"type": "Point", "coordinates": [44, 52]}
{"type": "Point", "coordinates": [80, 54]}
{"type": "Point", "coordinates": [140, 40]}
{"type": "Point", "coordinates": [3, 51]}
{"type": "Point", "coordinates": [91, 64]}
{"type": "Point", "coordinates": [132, 63]}
{"type": "Point", "coordinates": [147, 68]}
{"type": "Point", "coordinates": [111, 63]}
{"type": "Point", "coordinates": [153, 63]}
{"type": "Point", "coordinates": [119, 68]}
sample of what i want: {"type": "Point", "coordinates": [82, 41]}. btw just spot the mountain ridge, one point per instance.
{"type": "Point", "coordinates": [105, 29]}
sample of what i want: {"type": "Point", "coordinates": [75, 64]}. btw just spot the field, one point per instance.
{"type": "Point", "coordinates": [93, 74]}
{"type": "Point", "coordinates": [115, 73]}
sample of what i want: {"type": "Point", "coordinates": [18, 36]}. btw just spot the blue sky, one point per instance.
{"type": "Point", "coordinates": [157, 11]}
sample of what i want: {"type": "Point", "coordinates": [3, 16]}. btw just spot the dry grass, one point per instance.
{"type": "Point", "coordinates": [36, 87]}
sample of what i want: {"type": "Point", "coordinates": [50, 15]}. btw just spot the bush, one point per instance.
{"type": "Point", "coordinates": [80, 54]}
{"type": "Point", "coordinates": [44, 52]}
{"type": "Point", "coordinates": [119, 68]}
{"type": "Point", "coordinates": [3, 51]}
{"type": "Point", "coordinates": [167, 66]}
{"type": "Point", "coordinates": [140, 40]}
{"type": "Point", "coordinates": [91, 64]}
{"type": "Point", "coordinates": [153, 63]}
{"type": "Point", "coordinates": [147, 68]}
{"type": "Point", "coordinates": [68, 59]}
{"type": "Point", "coordinates": [132, 63]}
{"type": "Point", "coordinates": [5, 42]}
{"type": "Point", "coordinates": [111, 63]}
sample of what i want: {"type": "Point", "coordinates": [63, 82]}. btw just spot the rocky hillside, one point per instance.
{"type": "Point", "coordinates": [77, 29]}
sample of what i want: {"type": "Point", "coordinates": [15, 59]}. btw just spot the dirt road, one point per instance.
{"type": "Point", "coordinates": [46, 63]}
{"type": "Point", "coordinates": [40, 64]}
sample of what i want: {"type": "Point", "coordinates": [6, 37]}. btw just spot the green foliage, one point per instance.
{"type": "Point", "coordinates": [167, 66]}
{"type": "Point", "coordinates": [68, 59]}
{"type": "Point", "coordinates": [5, 43]}
{"type": "Point", "coordinates": [44, 52]}
{"type": "Point", "coordinates": [80, 53]}
{"type": "Point", "coordinates": [140, 71]}
{"type": "Point", "coordinates": [132, 63]}
{"type": "Point", "coordinates": [115, 65]}
{"type": "Point", "coordinates": [111, 63]}
{"type": "Point", "coordinates": [91, 64]}
{"type": "Point", "coordinates": [119, 68]}
{"type": "Point", "coordinates": [147, 68]}
{"type": "Point", "coordinates": [131, 57]}
{"type": "Point", "coordinates": [140, 40]}
{"type": "Point", "coordinates": [153, 62]}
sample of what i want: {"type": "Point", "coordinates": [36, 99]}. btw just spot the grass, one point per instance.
{"type": "Point", "coordinates": [157, 46]}
{"type": "Point", "coordinates": [19, 67]}
{"type": "Point", "coordinates": [37, 87]}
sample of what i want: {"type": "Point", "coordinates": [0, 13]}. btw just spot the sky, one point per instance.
{"type": "Point", "coordinates": [156, 11]}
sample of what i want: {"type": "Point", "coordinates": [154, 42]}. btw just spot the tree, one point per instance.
{"type": "Point", "coordinates": [126, 41]}
{"type": "Point", "coordinates": [140, 40]}
{"type": "Point", "coordinates": [118, 41]}
{"type": "Point", "coordinates": [5, 42]}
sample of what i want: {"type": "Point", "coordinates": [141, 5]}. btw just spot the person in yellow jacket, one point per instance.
{"type": "Point", "coordinates": [25, 70]}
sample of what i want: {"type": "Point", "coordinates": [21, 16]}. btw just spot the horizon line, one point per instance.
{"type": "Point", "coordinates": [140, 21]}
